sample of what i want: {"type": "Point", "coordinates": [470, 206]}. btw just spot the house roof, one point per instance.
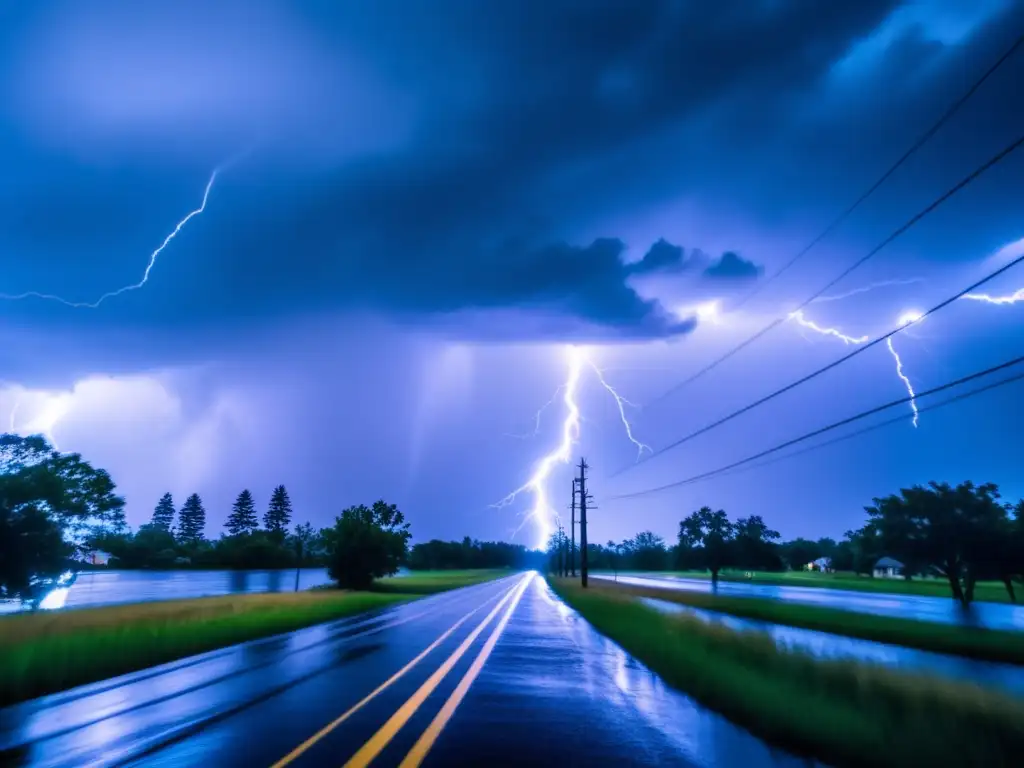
{"type": "Point", "coordinates": [888, 562]}
{"type": "Point", "coordinates": [823, 562]}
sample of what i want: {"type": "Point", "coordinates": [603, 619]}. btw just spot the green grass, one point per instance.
{"type": "Point", "coordinates": [52, 651]}
{"type": "Point", "coordinates": [984, 591]}
{"type": "Point", "coordinates": [430, 582]}
{"type": "Point", "coordinates": [971, 642]}
{"type": "Point", "coordinates": [844, 713]}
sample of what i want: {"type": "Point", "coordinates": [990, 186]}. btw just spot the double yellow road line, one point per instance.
{"type": "Point", "coordinates": [376, 744]}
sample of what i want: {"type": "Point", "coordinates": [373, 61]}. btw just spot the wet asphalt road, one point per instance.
{"type": "Point", "coordinates": [498, 674]}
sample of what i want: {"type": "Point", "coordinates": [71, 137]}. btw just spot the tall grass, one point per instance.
{"type": "Point", "coordinates": [845, 713]}
{"type": "Point", "coordinates": [967, 641]}
{"type": "Point", "coordinates": [431, 582]}
{"type": "Point", "coordinates": [44, 653]}
{"type": "Point", "coordinates": [52, 651]}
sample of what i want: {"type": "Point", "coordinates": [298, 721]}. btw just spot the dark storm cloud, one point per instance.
{"type": "Point", "coordinates": [488, 113]}
{"type": "Point", "coordinates": [732, 266]}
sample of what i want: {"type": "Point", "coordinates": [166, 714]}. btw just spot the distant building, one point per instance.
{"type": "Point", "coordinates": [888, 568]}
{"type": "Point", "coordinates": [96, 557]}
{"type": "Point", "coordinates": [822, 565]}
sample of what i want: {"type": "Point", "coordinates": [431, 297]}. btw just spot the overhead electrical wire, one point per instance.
{"type": "Point", "coordinates": [922, 140]}
{"type": "Point", "coordinates": [822, 430]}
{"type": "Point", "coordinates": [862, 348]}
{"type": "Point", "coordinates": [880, 425]}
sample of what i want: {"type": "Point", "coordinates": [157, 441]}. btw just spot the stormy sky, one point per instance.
{"type": "Point", "coordinates": [416, 207]}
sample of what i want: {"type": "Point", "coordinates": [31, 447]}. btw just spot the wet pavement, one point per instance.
{"type": "Point", "coordinates": [946, 611]}
{"type": "Point", "coordinates": [500, 673]}
{"type": "Point", "coordinates": [987, 674]}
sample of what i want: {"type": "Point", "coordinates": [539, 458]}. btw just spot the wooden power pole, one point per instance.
{"type": "Point", "coordinates": [584, 498]}
{"type": "Point", "coordinates": [561, 552]}
{"type": "Point", "coordinates": [572, 545]}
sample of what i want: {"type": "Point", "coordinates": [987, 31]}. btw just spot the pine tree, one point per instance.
{"type": "Point", "coordinates": [243, 517]}
{"type": "Point", "coordinates": [279, 513]}
{"type": "Point", "coordinates": [192, 520]}
{"type": "Point", "coordinates": [163, 515]}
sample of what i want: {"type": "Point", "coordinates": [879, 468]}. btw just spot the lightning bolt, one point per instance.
{"type": "Point", "coordinates": [621, 403]}
{"type": "Point", "coordinates": [536, 418]}
{"type": "Point", "coordinates": [1012, 298]}
{"type": "Point", "coordinates": [867, 288]}
{"type": "Point", "coordinates": [541, 511]}
{"type": "Point", "coordinates": [149, 267]}
{"type": "Point", "coordinates": [53, 409]}
{"type": "Point", "coordinates": [904, 379]}
{"type": "Point", "coordinates": [798, 318]}
{"type": "Point", "coordinates": [906, 319]}
{"type": "Point", "coordinates": [14, 414]}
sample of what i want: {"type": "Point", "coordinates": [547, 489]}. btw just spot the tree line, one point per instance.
{"type": "Point", "coordinates": [166, 542]}
{"type": "Point", "coordinates": [961, 534]}
{"type": "Point", "coordinates": [55, 508]}
{"type": "Point", "coordinates": [436, 555]}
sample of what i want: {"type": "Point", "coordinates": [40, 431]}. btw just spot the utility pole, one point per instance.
{"type": "Point", "coordinates": [572, 545]}
{"type": "Point", "coordinates": [561, 551]}
{"type": "Point", "coordinates": [584, 498]}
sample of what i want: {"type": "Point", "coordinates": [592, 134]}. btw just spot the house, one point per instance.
{"type": "Point", "coordinates": [96, 557]}
{"type": "Point", "coordinates": [821, 565]}
{"type": "Point", "coordinates": [888, 568]}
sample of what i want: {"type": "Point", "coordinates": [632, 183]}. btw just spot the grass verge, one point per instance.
{"type": "Point", "coordinates": [984, 591]}
{"type": "Point", "coordinates": [47, 652]}
{"type": "Point", "coordinates": [844, 713]}
{"type": "Point", "coordinates": [431, 582]}
{"type": "Point", "coordinates": [970, 642]}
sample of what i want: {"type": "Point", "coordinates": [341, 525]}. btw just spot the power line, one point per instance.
{"type": "Point", "coordinates": [921, 141]}
{"type": "Point", "coordinates": [998, 157]}
{"type": "Point", "coordinates": [880, 425]}
{"type": "Point", "coordinates": [814, 374]}
{"type": "Point", "coordinates": [823, 430]}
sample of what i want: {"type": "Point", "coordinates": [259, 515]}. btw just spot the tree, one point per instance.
{"type": "Point", "coordinates": [799, 552]}
{"type": "Point", "coordinates": [613, 551]}
{"type": "Point", "coordinates": [150, 547]}
{"type": "Point", "coordinates": [712, 531]}
{"type": "Point", "coordinates": [646, 552]}
{"type": "Point", "coordinates": [305, 541]}
{"type": "Point", "coordinates": [163, 515]}
{"type": "Point", "coordinates": [366, 543]}
{"type": "Point", "coordinates": [953, 531]}
{"type": "Point", "coordinates": [755, 548]}
{"type": "Point", "coordinates": [51, 505]}
{"type": "Point", "coordinates": [865, 549]}
{"type": "Point", "coordinates": [279, 513]}
{"type": "Point", "coordinates": [243, 515]}
{"type": "Point", "coordinates": [843, 557]}
{"type": "Point", "coordinates": [32, 549]}
{"type": "Point", "coordinates": [192, 520]}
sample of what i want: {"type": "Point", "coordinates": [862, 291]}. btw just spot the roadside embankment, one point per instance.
{"type": "Point", "coordinates": [967, 641]}
{"type": "Point", "coordinates": [50, 651]}
{"type": "Point", "coordinates": [842, 712]}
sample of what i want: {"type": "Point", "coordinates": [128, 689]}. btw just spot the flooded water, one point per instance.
{"type": "Point", "coordinates": [946, 611]}
{"type": "Point", "coordinates": [93, 588]}
{"type": "Point", "coordinates": [989, 674]}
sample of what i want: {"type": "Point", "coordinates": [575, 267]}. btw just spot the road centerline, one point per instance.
{"type": "Point", "coordinates": [429, 736]}
{"type": "Point", "coordinates": [376, 743]}
{"type": "Point", "coordinates": [327, 729]}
